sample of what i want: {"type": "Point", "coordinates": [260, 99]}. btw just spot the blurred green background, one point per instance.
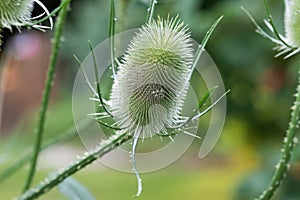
{"type": "Point", "coordinates": [258, 107]}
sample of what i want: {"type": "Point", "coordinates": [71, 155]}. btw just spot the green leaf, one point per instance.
{"type": "Point", "coordinates": [111, 33]}
{"type": "Point", "coordinates": [204, 42]}
{"type": "Point", "coordinates": [74, 190]}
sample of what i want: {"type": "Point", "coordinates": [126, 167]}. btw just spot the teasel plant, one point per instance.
{"type": "Point", "coordinates": [286, 45]}
{"type": "Point", "coordinates": [150, 85]}
{"type": "Point", "coordinates": [162, 48]}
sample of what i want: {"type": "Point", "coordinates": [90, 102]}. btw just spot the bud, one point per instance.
{"type": "Point", "coordinates": [150, 87]}
{"type": "Point", "coordinates": [292, 22]}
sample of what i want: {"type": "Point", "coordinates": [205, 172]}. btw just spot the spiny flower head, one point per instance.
{"type": "Point", "coordinates": [151, 84]}
{"type": "Point", "coordinates": [150, 87]}
{"type": "Point", "coordinates": [18, 13]}
{"type": "Point", "coordinates": [15, 12]}
{"type": "Point", "coordinates": [292, 22]}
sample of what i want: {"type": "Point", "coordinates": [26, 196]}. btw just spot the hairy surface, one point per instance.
{"type": "Point", "coordinates": [151, 83]}
{"type": "Point", "coordinates": [292, 22]}
{"type": "Point", "coordinates": [15, 12]}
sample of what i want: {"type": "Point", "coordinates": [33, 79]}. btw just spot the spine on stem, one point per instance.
{"type": "Point", "coordinates": [46, 95]}
{"type": "Point", "coordinates": [290, 141]}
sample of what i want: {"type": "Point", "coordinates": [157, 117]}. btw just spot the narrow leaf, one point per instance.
{"type": "Point", "coordinates": [204, 42]}
{"type": "Point", "coordinates": [74, 190]}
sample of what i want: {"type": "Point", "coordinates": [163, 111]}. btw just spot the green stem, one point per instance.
{"type": "Point", "coordinates": [290, 141]}
{"type": "Point", "coordinates": [70, 133]}
{"type": "Point", "coordinates": [111, 33]}
{"type": "Point", "coordinates": [46, 94]}
{"type": "Point", "coordinates": [89, 157]}
{"type": "Point", "coordinates": [151, 10]}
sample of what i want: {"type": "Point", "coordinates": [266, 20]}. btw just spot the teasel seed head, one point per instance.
{"type": "Point", "coordinates": [292, 22]}
{"type": "Point", "coordinates": [17, 13]}
{"type": "Point", "coordinates": [153, 77]}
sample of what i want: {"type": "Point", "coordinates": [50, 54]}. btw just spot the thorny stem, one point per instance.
{"type": "Point", "coordinates": [46, 94]}
{"type": "Point", "coordinates": [70, 133]}
{"type": "Point", "coordinates": [89, 157]}
{"type": "Point", "coordinates": [290, 141]}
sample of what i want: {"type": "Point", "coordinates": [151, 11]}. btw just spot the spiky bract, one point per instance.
{"type": "Point", "coordinates": [150, 87]}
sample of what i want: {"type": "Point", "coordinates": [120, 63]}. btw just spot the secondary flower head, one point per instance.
{"type": "Point", "coordinates": [292, 22]}
{"type": "Point", "coordinates": [18, 13]}
{"type": "Point", "coordinates": [289, 44]}
{"type": "Point", "coordinates": [152, 81]}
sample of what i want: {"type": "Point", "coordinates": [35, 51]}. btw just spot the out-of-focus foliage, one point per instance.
{"type": "Point", "coordinates": [253, 182]}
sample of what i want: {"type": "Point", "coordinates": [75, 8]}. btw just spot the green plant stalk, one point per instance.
{"type": "Point", "coordinates": [151, 10]}
{"type": "Point", "coordinates": [111, 33]}
{"type": "Point", "coordinates": [46, 94]}
{"type": "Point", "coordinates": [290, 141]}
{"type": "Point", "coordinates": [70, 133]}
{"type": "Point", "coordinates": [57, 177]}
